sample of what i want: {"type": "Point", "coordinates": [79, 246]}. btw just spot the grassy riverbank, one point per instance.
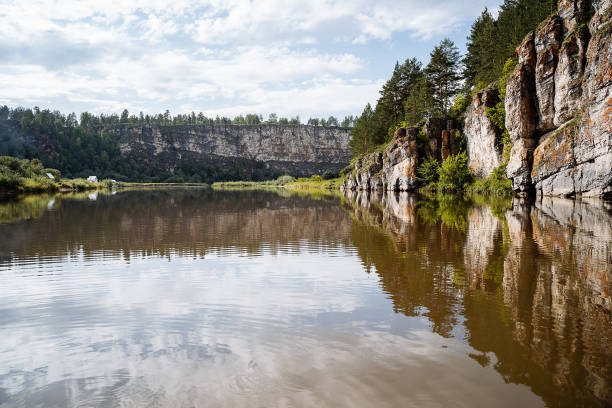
{"type": "Point", "coordinates": [23, 176]}
{"type": "Point", "coordinates": [306, 185]}
{"type": "Point", "coordinates": [29, 176]}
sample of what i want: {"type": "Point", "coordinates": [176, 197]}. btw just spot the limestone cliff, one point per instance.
{"type": "Point", "coordinates": [559, 104]}
{"type": "Point", "coordinates": [269, 149]}
{"type": "Point", "coordinates": [482, 140]}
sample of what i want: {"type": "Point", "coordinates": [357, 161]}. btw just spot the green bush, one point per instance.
{"type": "Point", "coordinates": [492, 186]}
{"type": "Point", "coordinates": [38, 184]}
{"type": "Point", "coordinates": [10, 163]}
{"type": "Point", "coordinates": [496, 184]}
{"type": "Point", "coordinates": [460, 105]}
{"type": "Point", "coordinates": [316, 177]}
{"type": "Point", "coordinates": [9, 180]}
{"type": "Point", "coordinates": [454, 173]}
{"type": "Point", "coordinates": [427, 172]}
{"type": "Point", "coordinates": [108, 184]}
{"type": "Point", "coordinates": [282, 180]}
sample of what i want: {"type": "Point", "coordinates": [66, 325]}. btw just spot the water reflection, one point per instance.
{"type": "Point", "coordinates": [202, 298]}
{"type": "Point", "coordinates": [531, 287]}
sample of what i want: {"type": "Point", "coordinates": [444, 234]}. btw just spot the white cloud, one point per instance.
{"type": "Point", "coordinates": [283, 55]}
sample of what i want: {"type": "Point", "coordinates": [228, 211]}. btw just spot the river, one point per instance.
{"type": "Point", "coordinates": [201, 298]}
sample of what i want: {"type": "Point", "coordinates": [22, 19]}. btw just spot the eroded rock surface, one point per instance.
{"type": "Point", "coordinates": [392, 169]}
{"type": "Point", "coordinates": [547, 42]}
{"type": "Point", "coordinates": [568, 77]}
{"type": "Point", "coordinates": [521, 112]}
{"type": "Point", "coordinates": [573, 78]}
{"type": "Point", "coordinates": [483, 147]}
{"type": "Point", "coordinates": [519, 165]}
{"type": "Point", "coordinates": [295, 150]}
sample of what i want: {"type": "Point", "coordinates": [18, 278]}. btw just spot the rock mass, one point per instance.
{"type": "Point", "coordinates": [271, 150]}
{"type": "Point", "coordinates": [558, 113]}
{"type": "Point", "coordinates": [570, 152]}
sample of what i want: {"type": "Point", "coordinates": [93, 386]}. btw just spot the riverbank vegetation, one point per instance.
{"type": "Point", "coordinates": [327, 182]}
{"type": "Point", "coordinates": [30, 176]}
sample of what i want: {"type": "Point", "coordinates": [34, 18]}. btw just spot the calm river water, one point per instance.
{"type": "Point", "coordinates": [195, 298]}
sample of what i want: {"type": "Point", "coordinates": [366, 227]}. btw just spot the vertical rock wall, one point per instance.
{"type": "Point", "coordinates": [559, 104]}
{"type": "Point", "coordinates": [482, 138]}
{"type": "Point", "coordinates": [267, 149]}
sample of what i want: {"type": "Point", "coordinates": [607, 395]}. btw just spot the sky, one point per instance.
{"type": "Point", "coordinates": [222, 57]}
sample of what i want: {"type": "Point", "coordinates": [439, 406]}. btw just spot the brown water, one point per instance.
{"type": "Point", "coordinates": [194, 298]}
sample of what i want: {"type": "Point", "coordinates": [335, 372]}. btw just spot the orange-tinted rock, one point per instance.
{"type": "Point", "coordinates": [593, 142]}
{"type": "Point", "coordinates": [401, 132]}
{"type": "Point", "coordinates": [573, 12]}
{"type": "Point", "coordinates": [445, 151]}
{"type": "Point", "coordinates": [551, 158]}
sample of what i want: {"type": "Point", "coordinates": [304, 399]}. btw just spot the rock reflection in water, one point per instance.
{"type": "Point", "coordinates": [531, 283]}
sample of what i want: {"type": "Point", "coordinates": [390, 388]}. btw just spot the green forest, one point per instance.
{"type": "Point", "coordinates": [443, 88]}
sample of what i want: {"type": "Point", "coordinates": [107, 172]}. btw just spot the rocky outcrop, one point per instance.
{"type": "Point", "coordinates": [482, 139]}
{"type": "Point", "coordinates": [521, 115]}
{"type": "Point", "coordinates": [395, 167]}
{"type": "Point", "coordinates": [568, 77]}
{"type": "Point", "coordinates": [560, 118]}
{"type": "Point", "coordinates": [558, 113]}
{"type": "Point", "coordinates": [400, 162]}
{"type": "Point", "coordinates": [267, 149]}
{"type": "Point", "coordinates": [392, 169]}
{"type": "Point", "coordinates": [519, 164]}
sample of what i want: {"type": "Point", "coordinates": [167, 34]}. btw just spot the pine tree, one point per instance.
{"type": "Point", "coordinates": [419, 104]}
{"type": "Point", "coordinates": [443, 75]}
{"type": "Point", "coordinates": [366, 132]}
{"type": "Point", "coordinates": [479, 62]}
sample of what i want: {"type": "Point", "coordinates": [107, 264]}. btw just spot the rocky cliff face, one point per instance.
{"type": "Point", "coordinates": [395, 167]}
{"type": "Point", "coordinates": [559, 104]}
{"type": "Point", "coordinates": [270, 149]}
{"type": "Point", "coordinates": [482, 138]}
{"type": "Point", "coordinates": [558, 114]}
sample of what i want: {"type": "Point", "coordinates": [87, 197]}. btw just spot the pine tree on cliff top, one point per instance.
{"type": "Point", "coordinates": [443, 75]}
{"type": "Point", "coordinates": [480, 60]}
